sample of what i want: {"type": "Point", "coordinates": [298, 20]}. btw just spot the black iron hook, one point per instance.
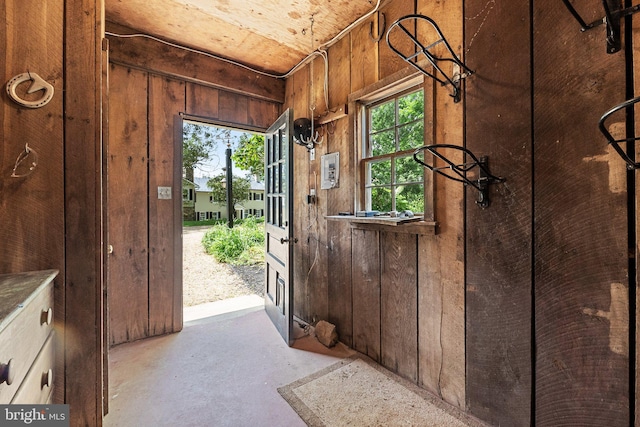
{"type": "Point", "coordinates": [424, 48]}
{"type": "Point", "coordinates": [615, 143]}
{"type": "Point", "coordinates": [485, 178]}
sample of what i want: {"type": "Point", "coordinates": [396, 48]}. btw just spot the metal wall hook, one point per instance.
{"type": "Point", "coordinates": [423, 48]}
{"type": "Point", "coordinates": [613, 12]}
{"type": "Point", "coordinates": [615, 143]}
{"type": "Point", "coordinates": [458, 172]}
{"type": "Point", "coordinates": [20, 171]}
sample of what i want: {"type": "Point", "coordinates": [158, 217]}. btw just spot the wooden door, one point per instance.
{"type": "Point", "coordinates": [279, 225]}
{"type": "Point", "coordinates": [144, 214]}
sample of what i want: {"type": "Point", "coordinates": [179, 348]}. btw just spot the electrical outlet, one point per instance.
{"type": "Point", "coordinates": [164, 193]}
{"type": "Point", "coordinates": [312, 154]}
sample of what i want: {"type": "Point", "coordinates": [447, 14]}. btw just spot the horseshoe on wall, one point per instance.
{"type": "Point", "coordinates": [38, 83]}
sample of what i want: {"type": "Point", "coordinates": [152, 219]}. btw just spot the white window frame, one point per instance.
{"type": "Point", "coordinates": [398, 83]}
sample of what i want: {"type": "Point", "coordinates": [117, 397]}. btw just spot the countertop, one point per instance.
{"type": "Point", "coordinates": [16, 290]}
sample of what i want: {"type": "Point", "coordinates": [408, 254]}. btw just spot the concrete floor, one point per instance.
{"type": "Point", "coordinates": [223, 369]}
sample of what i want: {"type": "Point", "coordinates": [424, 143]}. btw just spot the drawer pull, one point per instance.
{"type": "Point", "coordinates": [47, 379]}
{"type": "Point", "coordinates": [6, 372]}
{"type": "Point", "coordinates": [46, 317]}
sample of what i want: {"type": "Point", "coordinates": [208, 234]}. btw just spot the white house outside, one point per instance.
{"type": "Point", "coordinates": [198, 203]}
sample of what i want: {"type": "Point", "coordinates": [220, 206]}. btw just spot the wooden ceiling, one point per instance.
{"type": "Point", "coordinates": [270, 35]}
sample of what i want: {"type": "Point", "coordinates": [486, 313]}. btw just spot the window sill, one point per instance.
{"type": "Point", "coordinates": [415, 225]}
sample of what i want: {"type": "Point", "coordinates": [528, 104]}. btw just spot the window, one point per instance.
{"type": "Point", "coordinates": [392, 128]}
{"type": "Point", "coordinates": [187, 194]}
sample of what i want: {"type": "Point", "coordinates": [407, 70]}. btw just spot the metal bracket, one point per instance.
{"type": "Point", "coordinates": [612, 16]}
{"type": "Point", "coordinates": [423, 47]}
{"type": "Point", "coordinates": [458, 172]}
{"type": "Point", "coordinates": [483, 182]}
{"type": "Point", "coordinates": [615, 143]}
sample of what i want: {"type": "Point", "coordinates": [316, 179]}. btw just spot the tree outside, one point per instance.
{"type": "Point", "coordinates": [203, 145]}
{"type": "Point", "coordinates": [198, 142]}
{"type": "Point", "coordinates": [249, 154]}
{"type": "Point", "coordinates": [240, 186]}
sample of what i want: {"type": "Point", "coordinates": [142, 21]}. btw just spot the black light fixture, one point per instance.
{"type": "Point", "coordinates": [302, 132]}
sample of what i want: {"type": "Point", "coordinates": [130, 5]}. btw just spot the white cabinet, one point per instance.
{"type": "Point", "coordinates": [27, 351]}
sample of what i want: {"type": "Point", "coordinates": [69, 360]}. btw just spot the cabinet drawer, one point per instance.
{"type": "Point", "coordinates": [23, 337]}
{"type": "Point", "coordinates": [37, 385]}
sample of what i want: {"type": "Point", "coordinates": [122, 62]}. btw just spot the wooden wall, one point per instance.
{"type": "Point", "coordinates": [518, 313]}
{"type": "Point", "coordinates": [52, 218]}
{"type": "Point", "coordinates": [581, 250]}
{"type": "Point", "coordinates": [522, 312]}
{"type": "Point", "coordinates": [395, 296]}
{"type": "Point", "coordinates": [147, 94]}
{"type": "Point", "coordinates": [499, 242]}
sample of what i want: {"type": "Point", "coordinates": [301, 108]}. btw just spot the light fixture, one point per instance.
{"type": "Point", "coordinates": [304, 132]}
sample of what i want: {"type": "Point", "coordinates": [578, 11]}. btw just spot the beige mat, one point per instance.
{"type": "Point", "coordinates": [357, 392]}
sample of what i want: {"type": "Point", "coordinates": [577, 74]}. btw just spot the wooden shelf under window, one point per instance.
{"type": "Point", "coordinates": [415, 225]}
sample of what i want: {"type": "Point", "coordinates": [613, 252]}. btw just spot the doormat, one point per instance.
{"type": "Point", "coordinates": [358, 392]}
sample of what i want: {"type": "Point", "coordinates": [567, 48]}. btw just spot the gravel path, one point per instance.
{"type": "Point", "coordinates": [206, 280]}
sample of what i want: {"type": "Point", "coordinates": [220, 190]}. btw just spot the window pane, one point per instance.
{"type": "Point", "coordinates": [411, 107]}
{"type": "Point", "coordinates": [395, 180]}
{"type": "Point", "coordinates": [408, 170]}
{"type": "Point", "coordinates": [382, 143]}
{"type": "Point", "coordinates": [381, 199]}
{"type": "Point", "coordinates": [383, 116]}
{"type": "Point", "coordinates": [411, 135]}
{"type": "Point", "coordinates": [410, 197]}
{"type": "Point", "coordinates": [379, 173]}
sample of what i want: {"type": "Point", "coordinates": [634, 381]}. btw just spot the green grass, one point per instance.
{"type": "Point", "coordinates": [241, 245]}
{"type": "Point", "coordinates": [207, 222]}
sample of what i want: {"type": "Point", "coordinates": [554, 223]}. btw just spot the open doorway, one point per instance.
{"type": "Point", "coordinates": [223, 228]}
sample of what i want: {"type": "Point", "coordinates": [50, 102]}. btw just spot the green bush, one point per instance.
{"type": "Point", "coordinates": [243, 244]}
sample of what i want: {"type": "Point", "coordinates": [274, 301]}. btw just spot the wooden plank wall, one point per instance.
{"type": "Point", "coordinates": [127, 183]}
{"type": "Point", "coordinates": [581, 236]}
{"type": "Point", "coordinates": [493, 282]}
{"type": "Point", "coordinates": [29, 242]}
{"type": "Point", "coordinates": [369, 303]}
{"type": "Point", "coordinates": [166, 96]}
{"type": "Point", "coordinates": [499, 238]}
{"type": "Point", "coordinates": [145, 269]}
{"type": "Point", "coordinates": [84, 251]}
{"type": "Point", "coordinates": [441, 296]}
{"type": "Point", "coordinates": [634, 387]}
{"type": "Point", "coordinates": [189, 66]}
{"type": "Point", "coordinates": [52, 218]}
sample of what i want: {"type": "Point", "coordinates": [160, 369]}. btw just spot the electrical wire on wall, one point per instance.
{"type": "Point", "coordinates": [320, 51]}
{"type": "Point", "coordinates": [312, 214]}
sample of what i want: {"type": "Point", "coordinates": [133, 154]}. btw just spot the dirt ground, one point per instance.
{"type": "Point", "coordinates": [206, 280]}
